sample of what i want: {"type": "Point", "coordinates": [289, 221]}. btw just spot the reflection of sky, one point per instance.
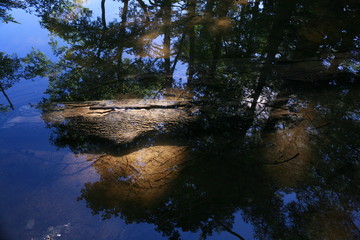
{"type": "Point", "coordinates": [20, 38]}
{"type": "Point", "coordinates": [111, 7]}
{"type": "Point", "coordinates": [112, 10]}
{"type": "Point", "coordinates": [38, 179]}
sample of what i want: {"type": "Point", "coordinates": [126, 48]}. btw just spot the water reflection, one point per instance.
{"type": "Point", "coordinates": [139, 52]}
{"type": "Point", "coordinates": [321, 200]}
{"type": "Point", "coordinates": [14, 68]}
{"type": "Point", "coordinates": [242, 132]}
{"type": "Point", "coordinates": [8, 75]}
{"type": "Point", "coordinates": [204, 174]}
{"type": "Point", "coordinates": [211, 171]}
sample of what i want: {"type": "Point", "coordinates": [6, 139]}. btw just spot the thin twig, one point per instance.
{"type": "Point", "coordinates": [323, 125]}
{"type": "Point", "coordinates": [6, 96]}
{"type": "Point", "coordinates": [288, 160]}
{"type": "Point", "coordinates": [229, 230]}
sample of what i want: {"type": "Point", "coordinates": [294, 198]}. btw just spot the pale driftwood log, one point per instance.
{"type": "Point", "coordinates": [122, 121]}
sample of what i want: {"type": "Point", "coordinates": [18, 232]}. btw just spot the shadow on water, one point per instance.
{"type": "Point", "coordinates": [218, 109]}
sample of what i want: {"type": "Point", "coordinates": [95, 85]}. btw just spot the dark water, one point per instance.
{"type": "Point", "coordinates": [180, 119]}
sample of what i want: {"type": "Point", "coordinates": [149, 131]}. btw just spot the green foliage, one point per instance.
{"type": "Point", "coordinates": [13, 69]}
{"type": "Point", "coordinates": [9, 74]}
{"type": "Point", "coordinates": [4, 108]}
{"type": "Point", "coordinates": [6, 6]}
{"type": "Point", "coordinates": [9, 69]}
{"type": "Point", "coordinates": [36, 64]}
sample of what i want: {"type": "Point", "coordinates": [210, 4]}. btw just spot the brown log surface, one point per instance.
{"type": "Point", "coordinates": [121, 121]}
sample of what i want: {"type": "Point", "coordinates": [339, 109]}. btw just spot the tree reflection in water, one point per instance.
{"type": "Point", "coordinates": [198, 179]}
{"type": "Point", "coordinates": [196, 175]}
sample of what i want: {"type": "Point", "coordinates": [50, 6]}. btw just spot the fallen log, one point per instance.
{"type": "Point", "coordinates": [121, 121]}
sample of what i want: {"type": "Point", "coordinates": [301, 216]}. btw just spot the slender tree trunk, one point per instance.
{"type": "Point", "coordinates": [122, 32]}
{"type": "Point", "coordinates": [229, 230]}
{"type": "Point", "coordinates": [215, 58]}
{"type": "Point", "coordinates": [179, 51]}
{"type": "Point", "coordinates": [6, 96]}
{"type": "Point", "coordinates": [222, 9]}
{"type": "Point", "coordinates": [145, 9]}
{"type": "Point", "coordinates": [209, 6]}
{"type": "Point", "coordinates": [274, 39]}
{"type": "Point", "coordinates": [191, 32]}
{"type": "Point", "coordinates": [103, 31]}
{"type": "Point", "coordinates": [167, 42]}
{"type": "Point", "coordinates": [103, 16]}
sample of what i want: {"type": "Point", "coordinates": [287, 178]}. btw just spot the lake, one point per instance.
{"type": "Point", "coordinates": [198, 119]}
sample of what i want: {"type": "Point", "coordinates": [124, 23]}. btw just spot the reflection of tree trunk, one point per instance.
{"type": "Point", "coordinates": [103, 22]}
{"type": "Point", "coordinates": [6, 96]}
{"type": "Point", "coordinates": [229, 230]}
{"type": "Point", "coordinates": [222, 10]}
{"type": "Point", "coordinates": [103, 18]}
{"type": "Point", "coordinates": [209, 6]}
{"type": "Point", "coordinates": [283, 16]}
{"type": "Point", "coordinates": [167, 41]}
{"type": "Point", "coordinates": [191, 67]}
{"type": "Point", "coordinates": [215, 58]}
{"type": "Point", "coordinates": [122, 31]}
{"type": "Point", "coordinates": [191, 32]}
{"type": "Point", "coordinates": [179, 51]}
{"type": "Point", "coordinates": [145, 9]}
{"type": "Point", "coordinates": [191, 29]}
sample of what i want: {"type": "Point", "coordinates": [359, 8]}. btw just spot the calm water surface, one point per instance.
{"type": "Point", "coordinates": [179, 119]}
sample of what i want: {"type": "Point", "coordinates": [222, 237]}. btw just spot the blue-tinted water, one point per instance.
{"type": "Point", "coordinates": [41, 183]}
{"type": "Point", "coordinates": [60, 182]}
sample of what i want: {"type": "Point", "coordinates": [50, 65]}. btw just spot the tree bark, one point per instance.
{"type": "Point", "coordinates": [6, 96]}
{"type": "Point", "coordinates": [167, 42]}
{"type": "Point", "coordinates": [122, 31]}
{"type": "Point", "coordinates": [103, 17]}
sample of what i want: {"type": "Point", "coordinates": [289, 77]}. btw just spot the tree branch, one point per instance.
{"type": "Point", "coordinates": [103, 18]}
{"type": "Point", "coordinates": [288, 160]}
{"type": "Point", "coordinates": [6, 96]}
{"type": "Point", "coordinates": [229, 230]}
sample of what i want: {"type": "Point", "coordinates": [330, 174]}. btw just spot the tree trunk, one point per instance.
{"type": "Point", "coordinates": [103, 17]}
{"type": "Point", "coordinates": [167, 42]}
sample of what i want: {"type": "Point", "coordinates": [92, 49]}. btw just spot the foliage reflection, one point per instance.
{"type": "Point", "coordinates": [192, 167]}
